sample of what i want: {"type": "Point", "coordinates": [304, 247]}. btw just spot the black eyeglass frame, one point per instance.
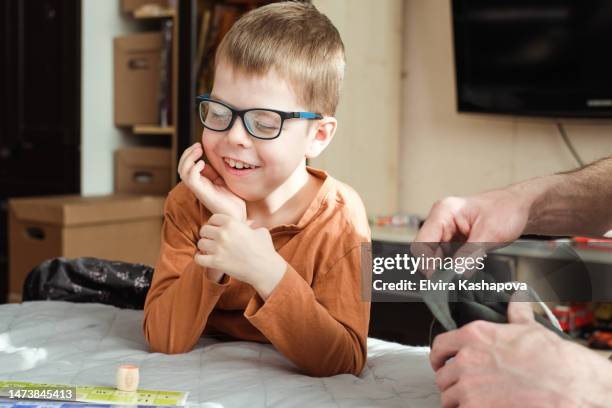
{"type": "Point", "coordinates": [235, 113]}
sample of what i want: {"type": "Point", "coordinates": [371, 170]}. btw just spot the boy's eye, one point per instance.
{"type": "Point", "coordinates": [218, 114]}
{"type": "Point", "coordinates": [265, 126]}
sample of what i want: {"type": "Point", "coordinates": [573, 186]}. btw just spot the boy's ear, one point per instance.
{"type": "Point", "coordinates": [323, 134]}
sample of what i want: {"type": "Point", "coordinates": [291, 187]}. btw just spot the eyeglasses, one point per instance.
{"type": "Point", "coordinates": [260, 123]}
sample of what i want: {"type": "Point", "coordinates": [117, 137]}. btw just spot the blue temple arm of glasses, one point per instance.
{"type": "Point", "coordinates": [310, 115]}
{"type": "Point", "coordinates": [203, 96]}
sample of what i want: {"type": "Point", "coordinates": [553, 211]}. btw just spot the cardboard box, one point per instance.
{"type": "Point", "coordinates": [137, 60]}
{"type": "Point", "coordinates": [115, 227]}
{"type": "Point", "coordinates": [131, 5]}
{"type": "Point", "coordinates": [143, 170]}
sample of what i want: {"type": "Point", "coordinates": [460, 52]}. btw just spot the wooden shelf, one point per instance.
{"type": "Point", "coordinates": [154, 12]}
{"type": "Point", "coordinates": [152, 130]}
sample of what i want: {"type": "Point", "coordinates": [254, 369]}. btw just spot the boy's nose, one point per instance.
{"type": "Point", "coordinates": [238, 135]}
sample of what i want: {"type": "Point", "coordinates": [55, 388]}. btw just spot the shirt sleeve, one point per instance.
{"type": "Point", "coordinates": [181, 297]}
{"type": "Point", "coordinates": [322, 329]}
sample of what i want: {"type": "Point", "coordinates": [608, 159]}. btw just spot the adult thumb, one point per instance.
{"type": "Point", "coordinates": [520, 312]}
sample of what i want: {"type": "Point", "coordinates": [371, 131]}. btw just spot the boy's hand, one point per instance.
{"type": "Point", "coordinates": [241, 252]}
{"type": "Point", "coordinates": [210, 188]}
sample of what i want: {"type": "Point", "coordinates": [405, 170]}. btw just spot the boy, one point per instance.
{"type": "Point", "coordinates": [255, 244]}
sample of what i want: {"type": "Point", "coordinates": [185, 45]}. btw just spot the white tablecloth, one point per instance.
{"type": "Point", "coordinates": [71, 343]}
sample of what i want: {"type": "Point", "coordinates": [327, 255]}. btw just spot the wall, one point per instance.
{"type": "Point", "coordinates": [102, 20]}
{"type": "Point", "coordinates": [445, 153]}
{"type": "Point", "coordinates": [364, 150]}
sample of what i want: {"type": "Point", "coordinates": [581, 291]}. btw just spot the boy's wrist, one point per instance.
{"type": "Point", "coordinates": [269, 280]}
{"type": "Point", "coordinates": [214, 275]}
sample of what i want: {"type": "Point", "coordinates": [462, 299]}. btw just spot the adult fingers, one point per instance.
{"type": "Point", "coordinates": [451, 397]}
{"type": "Point", "coordinates": [445, 346]}
{"type": "Point", "coordinates": [431, 231]}
{"type": "Point", "coordinates": [445, 221]}
{"type": "Point", "coordinates": [447, 375]}
{"type": "Point", "coordinates": [477, 333]}
{"type": "Point", "coordinates": [520, 312]}
{"type": "Point", "coordinates": [473, 256]}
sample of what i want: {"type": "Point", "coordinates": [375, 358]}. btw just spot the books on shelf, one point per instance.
{"type": "Point", "coordinates": [165, 89]}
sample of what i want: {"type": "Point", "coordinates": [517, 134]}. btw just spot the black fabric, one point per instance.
{"type": "Point", "coordinates": [454, 309]}
{"type": "Point", "coordinates": [116, 283]}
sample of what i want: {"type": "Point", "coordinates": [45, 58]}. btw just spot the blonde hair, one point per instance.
{"type": "Point", "coordinates": [296, 40]}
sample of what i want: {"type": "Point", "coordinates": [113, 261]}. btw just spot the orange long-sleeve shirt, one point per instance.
{"type": "Point", "coordinates": [315, 316]}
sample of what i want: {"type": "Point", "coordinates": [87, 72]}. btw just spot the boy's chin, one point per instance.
{"type": "Point", "coordinates": [246, 193]}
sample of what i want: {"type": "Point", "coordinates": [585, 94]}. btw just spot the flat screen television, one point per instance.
{"type": "Point", "coordinates": [534, 57]}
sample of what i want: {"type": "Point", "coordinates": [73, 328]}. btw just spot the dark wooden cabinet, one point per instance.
{"type": "Point", "coordinates": [399, 320]}
{"type": "Point", "coordinates": [40, 104]}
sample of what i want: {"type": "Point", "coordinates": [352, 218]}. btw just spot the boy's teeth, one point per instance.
{"type": "Point", "coordinates": [238, 164]}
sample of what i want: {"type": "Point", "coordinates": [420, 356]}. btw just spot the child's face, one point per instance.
{"type": "Point", "coordinates": [275, 160]}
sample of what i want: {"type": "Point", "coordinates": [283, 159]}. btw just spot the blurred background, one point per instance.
{"type": "Point", "coordinates": [440, 98]}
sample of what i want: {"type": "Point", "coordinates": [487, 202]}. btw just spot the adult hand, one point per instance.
{"type": "Point", "coordinates": [239, 251]}
{"type": "Point", "coordinates": [521, 364]}
{"type": "Point", "coordinates": [494, 216]}
{"type": "Point", "coordinates": [210, 188]}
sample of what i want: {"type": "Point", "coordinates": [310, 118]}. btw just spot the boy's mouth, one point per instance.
{"type": "Point", "coordinates": [235, 166]}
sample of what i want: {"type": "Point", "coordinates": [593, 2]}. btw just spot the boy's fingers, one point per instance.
{"type": "Point", "coordinates": [219, 219]}
{"type": "Point", "coordinates": [204, 260]}
{"type": "Point", "coordinates": [202, 187]}
{"type": "Point", "coordinates": [194, 172]}
{"type": "Point", "coordinates": [195, 179]}
{"type": "Point", "coordinates": [189, 157]}
{"type": "Point", "coordinates": [185, 154]}
{"type": "Point", "coordinates": [210, 173]}
{"type": "Point", "coordinates": [209, 231]}
{"type": "Point", "coordinates": [207, 246]}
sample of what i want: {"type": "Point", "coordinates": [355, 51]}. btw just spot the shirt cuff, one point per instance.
{"type": "Point", "coordinates": [259, 311]}
{"type": "Point", "coordinates": [209, 286]}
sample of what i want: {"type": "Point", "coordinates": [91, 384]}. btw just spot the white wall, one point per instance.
{"type": "Point", "coordinates": [101, 21]}
{"type": "Point", "coordinates": [365, 148]}
{"type": "Point", "coordinates": [445, 153]}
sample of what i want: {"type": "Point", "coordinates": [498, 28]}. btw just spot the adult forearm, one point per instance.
{"type": "Point", "coordinates": [572, 203]}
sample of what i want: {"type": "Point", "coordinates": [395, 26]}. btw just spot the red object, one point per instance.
{"type": "Point", "coordinates": [601, 340]}
{"type": "Point", "coordinates": [573, 317]}
{"type": "Point", "coordinates": [562, 313]}
{"type": "Point", "coordinates": [598, 243]}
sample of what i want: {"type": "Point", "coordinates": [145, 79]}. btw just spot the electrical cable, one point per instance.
{"type": "Point", "coordinates": [569, 144]}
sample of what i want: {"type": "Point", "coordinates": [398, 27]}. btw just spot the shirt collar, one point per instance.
{"type": "Point", "coordinates": [316, 206]}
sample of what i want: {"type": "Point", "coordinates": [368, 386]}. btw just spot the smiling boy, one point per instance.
{"type": "Point", "coordinates": [255, 244]}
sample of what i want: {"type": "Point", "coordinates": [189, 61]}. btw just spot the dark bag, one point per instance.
{"type": "Point", "coordinates": [116, 283]}
{"type": "Point", "coordinates": [569, 279]}
{"type": "Point", "coordinates": [453, 309]}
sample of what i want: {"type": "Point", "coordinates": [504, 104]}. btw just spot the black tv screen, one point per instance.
{"type": "Point", "coordinates": [534, 57]}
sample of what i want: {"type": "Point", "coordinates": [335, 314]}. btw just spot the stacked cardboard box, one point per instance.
{"type": "Point", "coordinates": [115, 227]}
